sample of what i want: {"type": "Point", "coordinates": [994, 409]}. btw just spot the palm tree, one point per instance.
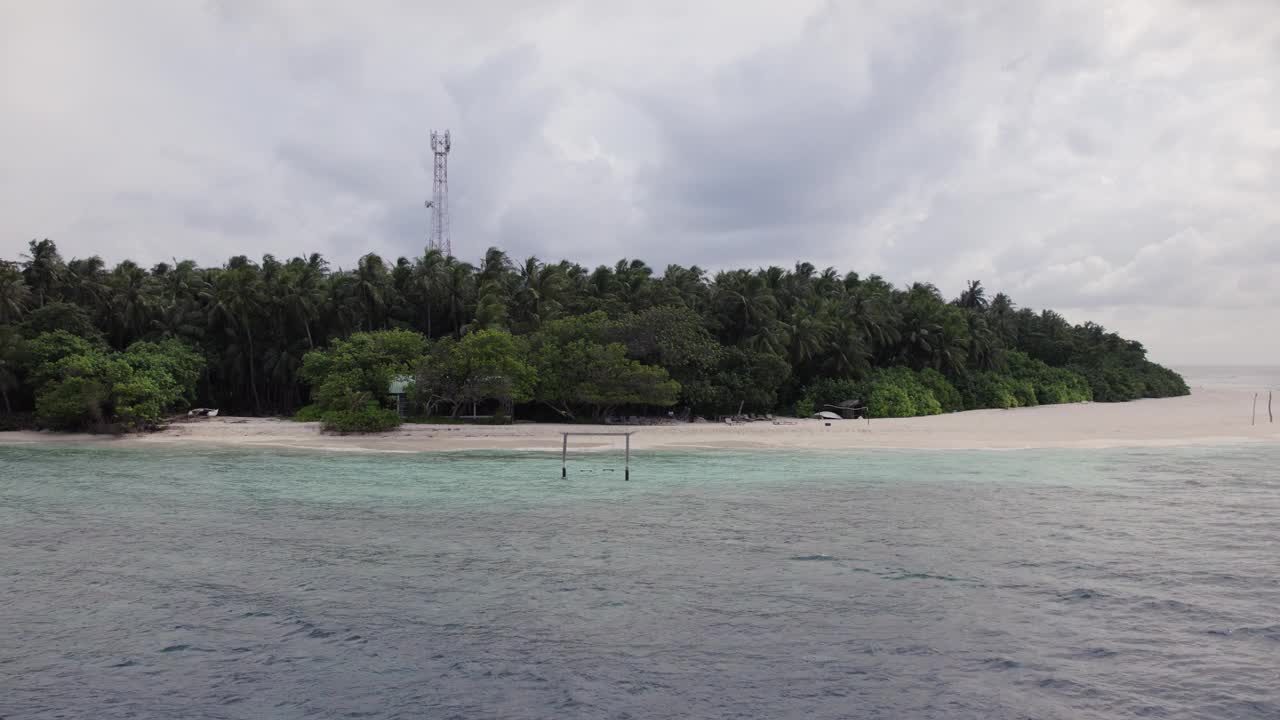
{"type": "Point", "coordinates": [427, 272]}
{"type": "Point", "coordinates": [798, 285]}
{"type": "Point", "coordinates": [875, 317]}
{"type": "Point", "coordinates": [370, 290]}
{"type": "Point", "coordinates": [177, 299]}
{"type": "Point", "coordinates": [458, 285]}
{"type": "Point", "coordinates": [85, 283]}
{"type": "Point", "coordinates": [495, 268]}
{"type": "Point", "coordinates": [302, 290]}
{"type": "Point", "coordinates": [919, 342]}
{"type": "Point", "coordinates": [603, 287]}
{"type": "Point", "coordinates": [631, 282]}
{"type": "Point", "coordinates": [537, 293]}
{"type": "Point", "coordinates": [974, 297]}
{"type": "Point", "coordinates": [952, 348]}
{"type": "Point", "coordinates": [828, 285]}
{"type": "Point", "coordinates": [689, 285]}
{"type": "Point", "coordinates": [772, 337]}
{"type": "Point", "coordinates": [43, 270]}
{"type": "Point", "coordinates": [745, 306]}
{"type": "Point", "coordinates": [14, 294]}
{"type": "Point", "coordinates": [984, 344]}
{"type": "Point", "coordinates": [810, 332]}
{"type": "Point", "coordinates": [1002, 320]}
{"type": "Point", "coordinates": [849, 355]}
{"type": "Point", "coordinates": [231, 300]}
{"type": "Point", "coordinates": [130, 302]}
{"type": "Point", "coordinates": [12, 357]}
{"type": "Point", "coordinates": [775, 278]}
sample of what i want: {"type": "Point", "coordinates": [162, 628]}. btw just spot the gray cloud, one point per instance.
{"type": "Point", "coordinates": [1118, 161]}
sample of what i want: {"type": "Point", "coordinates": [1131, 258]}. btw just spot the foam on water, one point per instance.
{"type": "Point", "coordinates": [1049, 584]}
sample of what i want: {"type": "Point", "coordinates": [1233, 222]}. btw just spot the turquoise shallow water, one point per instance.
{"type": "Point", "coordinates": [230, 584]}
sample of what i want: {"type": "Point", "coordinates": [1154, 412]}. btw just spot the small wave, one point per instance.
{"type": "Point", "coordinates": [1268, 632]}
{"type": "Point", "coordinates": [904, 575]}
{"type": "Point", "coordinates": [1070, 687]}
{"type": "Point", "coordinates": [1079, 594]}
{"type": "Point", "coordinates": [813, 558]}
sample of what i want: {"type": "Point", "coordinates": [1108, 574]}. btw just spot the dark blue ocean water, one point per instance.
{"type": "Point", "coordinates": [1027, 584]}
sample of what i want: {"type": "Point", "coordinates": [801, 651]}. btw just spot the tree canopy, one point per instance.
{"type": "Point", "coordinates": [567, 340]}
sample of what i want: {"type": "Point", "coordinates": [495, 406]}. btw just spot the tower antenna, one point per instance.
{"type": "Point", "coordinates": [439, 203]}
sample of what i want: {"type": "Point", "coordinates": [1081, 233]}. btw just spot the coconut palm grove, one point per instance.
{"type": "Point", "coordinates": [88, 347]}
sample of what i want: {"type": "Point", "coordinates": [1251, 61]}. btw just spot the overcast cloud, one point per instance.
{"type": "Point", "coordinates": [1118, 161]}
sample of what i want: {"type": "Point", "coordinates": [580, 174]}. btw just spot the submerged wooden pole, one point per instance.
{"type": "Point", "coordinates": [564, 454]}
{"type": "Point", "coordinates": [1270, 417]}
{"type": "Point", "coordinates": [1255, 409]}
{"type": "Point", "coordinates": [626, 474]}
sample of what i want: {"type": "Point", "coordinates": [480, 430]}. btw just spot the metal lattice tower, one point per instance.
{"type": "Point", "coordinates": [439, 202]}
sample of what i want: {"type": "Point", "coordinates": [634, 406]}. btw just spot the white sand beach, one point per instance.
{"type": "Point", "coordinates": [1208, 416]}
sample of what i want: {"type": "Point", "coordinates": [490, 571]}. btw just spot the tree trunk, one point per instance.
{"type": "Point", "coordinates": [8, 409]}
{"type": "Point", "coordinates": [564, 411]}
{"type": "Point", "coordinates": [253, 378]}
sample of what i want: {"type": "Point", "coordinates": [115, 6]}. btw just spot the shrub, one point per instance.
{"type": "Point", "coordinates": [890, 392]}
{"type": "Point", "coordinates": [1024, 391]}
{"type": "Point", "coordinates": [16, 421]}
{"type": "Point", "coordinates": [309, 413]}
{"type": "Point", "coordinates": [804, 408]}
{"type": "Point", "coordinates": [367, 419]}
{"type": "Point", "coordinates": [920, 399]}
{"type": "Point", "coordinates": [1053, 394]}
{"type": "Point", "coordinates": [353, 375]}
{"type": "Point", "coordinates": [889, 400]}
{"type": "Point", "coordinates": [947, 395]}
{"type": "Point", "coordinates": [833, 391]}
{"type": "Point", "coordinates": [991, 390]}
{"type": "Point", "coordinates": [1049, 385]}
{"type": "Point", "coordinates": [102, 390]}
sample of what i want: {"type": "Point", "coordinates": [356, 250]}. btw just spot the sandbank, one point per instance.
{"type": "Point", "coordinates": [1207, 416]}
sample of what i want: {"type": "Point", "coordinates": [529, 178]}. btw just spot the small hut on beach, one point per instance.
{"type": "Point", "coordinates": [399, 390]}
{"type": "Point", "coordinates": [849, 409]}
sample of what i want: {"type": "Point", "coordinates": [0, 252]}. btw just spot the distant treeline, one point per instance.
{"type": "Point", "coordinates": [83, 346]}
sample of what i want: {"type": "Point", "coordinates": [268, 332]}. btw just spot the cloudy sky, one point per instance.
{"type": "Point", "coordinates": [1117, 160]}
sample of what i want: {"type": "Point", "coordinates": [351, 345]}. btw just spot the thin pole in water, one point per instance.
{"type": "Point", "coordinates": [1255, 409]}
{"type": "Point", "coordinates": [1270, 417]}
{"type": "Point", "coordinates": [564, 453]}
{"type": "Point", "coordinates": [627, 473]}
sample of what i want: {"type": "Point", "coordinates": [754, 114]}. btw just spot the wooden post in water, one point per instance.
{"type": "Point", "coordinates": [1255, 409]}
{"type": "Point", "coordinates": [1270, 417]}
{"type": "Point", "coordinates": [626, 475]}
{"type": "Point", "coordinates": [564, 455]}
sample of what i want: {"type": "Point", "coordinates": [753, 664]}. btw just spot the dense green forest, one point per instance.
{"type": "Point", "coordinates": [84, 346]}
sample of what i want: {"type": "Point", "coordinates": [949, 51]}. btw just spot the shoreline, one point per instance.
{"type": "Point", "coordinates": [1206, 417]}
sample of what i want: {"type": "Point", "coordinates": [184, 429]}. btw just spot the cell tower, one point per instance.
{"type": "Point", "coordinates": [439, 202]}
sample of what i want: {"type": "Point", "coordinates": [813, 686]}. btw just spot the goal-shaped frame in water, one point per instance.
{"type": "Point", "coordinates": [564, 450]}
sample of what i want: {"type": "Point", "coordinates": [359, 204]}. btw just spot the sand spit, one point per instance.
{"type": "Point", "coordinates": [1205, 417]}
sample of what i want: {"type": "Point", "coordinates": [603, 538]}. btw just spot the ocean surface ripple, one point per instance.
{"type": "Point", "coordinates": [1024, 584]}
